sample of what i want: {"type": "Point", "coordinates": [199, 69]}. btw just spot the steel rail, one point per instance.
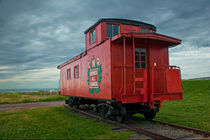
{"type": "Point", "coordinates": [137, 130]}
{"type": "Point", "coordinates": [194, 130]}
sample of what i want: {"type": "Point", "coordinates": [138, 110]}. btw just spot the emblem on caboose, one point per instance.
{"type": "Point", "coordinates": [94, 75]}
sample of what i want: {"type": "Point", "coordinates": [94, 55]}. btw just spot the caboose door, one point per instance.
{"type": "Point", "coordinates": [140, 70]}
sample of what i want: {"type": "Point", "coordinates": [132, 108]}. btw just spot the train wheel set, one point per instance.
{"type": "Point", "coordinates": [112, 109]}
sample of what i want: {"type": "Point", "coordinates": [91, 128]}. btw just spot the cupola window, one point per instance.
{"type": "Point", "coordinates": [143, 30]}
{"type": "Point", "coordinates": [112, 30]}
{"type": "Point", "coordinates": [93, 36]}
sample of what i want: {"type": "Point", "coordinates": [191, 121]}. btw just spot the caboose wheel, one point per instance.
{"type": "Point", "coordinates": [121, 112]}
{"type": "Point", "coordinates": [69, 102]}
{"type": "Point", "coordinates": [151, 113]}
{"type": "Point", "coordinates": [103, 111]}
{"type": "Point", "coordinates": [119, 118]}
{"type": "Point", "coordinates": [73, 102]}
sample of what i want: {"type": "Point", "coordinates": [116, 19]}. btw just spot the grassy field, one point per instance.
{"type": "Point", "coordinates": [194, 110]}
{"type": "Point", "coordinates": [53, 123]}
{"type": "Point", "coordinates": [13, 98]}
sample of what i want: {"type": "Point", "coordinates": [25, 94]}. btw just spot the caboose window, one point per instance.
{"type": "Point", "coordinates": [93, 36]}
{"type": "Point", "coordinates": [140, 58]}
{"type": "Point", "coordinates": [112, 30]}
{"type": "Point", "coordinates": [69, 74]}
{"type": "Point", "coordinates": [76, 72]}
{"type": "Point", "coordinates": [145, 30]}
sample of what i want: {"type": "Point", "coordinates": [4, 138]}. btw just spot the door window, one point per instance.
{"type": "Point", "coordinates": [140, 58]}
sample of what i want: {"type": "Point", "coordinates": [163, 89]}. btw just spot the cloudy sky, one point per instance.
{"type": "Point", "coordinates": [36, 35]}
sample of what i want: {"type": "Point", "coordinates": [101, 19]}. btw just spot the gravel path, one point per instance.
{"type": "Point", "coordinates": [30, 105]}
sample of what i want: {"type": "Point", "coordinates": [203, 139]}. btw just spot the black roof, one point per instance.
{"type": "Point", "coordinates": [122, 21]}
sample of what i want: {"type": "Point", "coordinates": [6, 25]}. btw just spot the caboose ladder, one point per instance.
{"type": "Point", "coordinates": [139, 67]}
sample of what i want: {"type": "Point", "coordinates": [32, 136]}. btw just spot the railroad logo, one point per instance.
{"type": "Point", "coordinates": [94, 75]}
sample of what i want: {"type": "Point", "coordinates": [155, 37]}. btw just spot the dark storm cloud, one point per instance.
{"type": "Point", "coordinates": [29, 36]}
{"type": "Point", "coordinates": [37, 34]}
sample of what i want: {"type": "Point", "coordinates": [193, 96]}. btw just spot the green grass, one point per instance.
{"type": "Point", "coordinates": [53, 123]}
{"type": "Point", "coordinates": [13, 98]}
{"type": "Point", "coordinates": [193, 110]}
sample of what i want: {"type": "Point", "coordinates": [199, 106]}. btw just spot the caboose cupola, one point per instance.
{"type": "Point", "coordinates": [109, 27]}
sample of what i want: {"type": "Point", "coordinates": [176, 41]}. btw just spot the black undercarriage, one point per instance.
{"type": "Point", "coordinates": [114, 109]}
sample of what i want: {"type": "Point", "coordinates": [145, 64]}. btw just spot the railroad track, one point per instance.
{"type": "Point", "coordinates": [194, 130]}
{"type": "Point", "coordinates": [189, 133]}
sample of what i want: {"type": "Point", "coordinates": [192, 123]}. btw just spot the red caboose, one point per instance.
{"type": "Point", "coordinates": [124, 70]}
